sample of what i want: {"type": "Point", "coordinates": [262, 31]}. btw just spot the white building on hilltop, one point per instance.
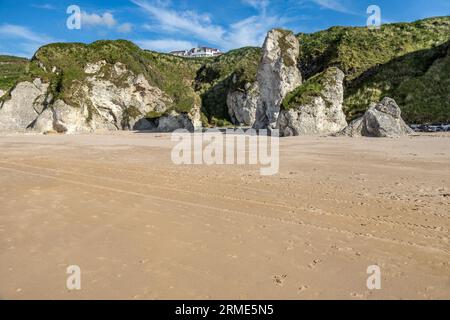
{"type": "Point", "coordinates": [200, 52]}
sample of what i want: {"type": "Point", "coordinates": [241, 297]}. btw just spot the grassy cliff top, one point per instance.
{"type": "Point", "coordinates": [356, 49]}
{"type": "Point", "coordinates": [243, 62]}
{"type": "Point", "coordinates": [418, 81]}
{"type": "Point", "coordinates": [11, 69]}
{"type": "Point", "coordinates": [215, 79]}
{"type": "Point", "coordinates": [171, 74]}
{"type": "Point", "coordinates": [157, 67]}
{"type": "Point", "coordinates": [406, 61]}
{"type": "Point", "coordinates": [310, 89]}
{"type": "Point", "coordinates": [185, 80]}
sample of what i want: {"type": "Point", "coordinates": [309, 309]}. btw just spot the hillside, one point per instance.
{"type": "Point", "coordinates": [368, 57]}
{"type": "Point", "coordinates": [171, 74]}
{"type": "Point", "coordinates": [409, 62]}
{"type": "Point", "coordinates": [418, 81]}
{"type": "Point", "coordinates": [11, 68]}
{"type": "Point", "coordinates": [213, 80]}
{"type": "Point", "coordinates": [185, 80]}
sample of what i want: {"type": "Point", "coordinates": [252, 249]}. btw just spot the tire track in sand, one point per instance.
{"type": "Point", "coordinates": [237, 212]}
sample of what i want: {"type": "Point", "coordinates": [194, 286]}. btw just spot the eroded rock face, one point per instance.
{"type": "Point", "coordinates": [28, 100]}
{"type": "Point", "coordinates": [92, 68]}
{"type": "Point", "coordinates": [110, 98]}
{"type": "Point", "coordinates": [174, 121]}
{"type": "Point", "coordinates": [381, 120]}
{"type": "Point", "coordinates": [119, 99]}
{"type": "Point", "coordinates": [195, 117]}
{"type": "Point", "coordinates": [319, 112]}
{"type": "Point", "coordinates": [242, 105]}
{"type": "Point", "coordinates": [277, 75]}
{"type": "Point", "coordinates": [44, 122]}
{"type": "Point", "coordinates": [68, 119]}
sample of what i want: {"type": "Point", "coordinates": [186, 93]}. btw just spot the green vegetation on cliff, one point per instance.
{"type": "Point", "coordinates": [310, 89]}
{"type": "Point", "coordinates": [418, 81]}
{"type": "Point", "coordinates": [173, 75]}
{"type": "Point", "coordinates": [219, 75]}
{"type": "Point", "coordinates": [393, 61]}
{"type": "Point", "coordinates": [409, 62]}
{"type": "Point", "coordinates": [285, 46]}
{"type": "Point", "coordinates": [189, 82]}
{"type": "Point", "coordinates": [11, 69]}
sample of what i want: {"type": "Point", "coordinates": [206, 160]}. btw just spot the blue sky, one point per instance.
{"type": "Point", "coordinates": [165, 25]}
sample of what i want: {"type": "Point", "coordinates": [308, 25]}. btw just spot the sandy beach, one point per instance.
{"type": "Point", "coordinates": [141, 227]}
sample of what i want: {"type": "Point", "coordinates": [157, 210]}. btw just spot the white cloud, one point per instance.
{"type": "Point", "coordinates": [16, 31]}
{"type": "Point", "coordinates": [94, 20]}
{"type": "Point", "coordinates": [249, 31]}
{"type": "Point", "coordinates": [46, 6]}
{"type": "Point", "coordinates": [105, 20]}
{"type": "Point", "coordinates": [165, 45]}
{"type": "Point", "coordinates": [335, 5]}
{"type": "Point", "coordinates": [257, 4]}
{"type": "Point", "coordinates": [185, 22]}
{"type": "Point", "coordinates": [27, 42]}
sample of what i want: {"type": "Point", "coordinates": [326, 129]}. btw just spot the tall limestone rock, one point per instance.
{"type": "Point", "coordinates": [27, 101]}
{"type": "Point", "coordinates": [277, 75]}
{"type": "Point", "coordinates": [383, 120]}
{"type": "Point", "coordinates": [315, 107]}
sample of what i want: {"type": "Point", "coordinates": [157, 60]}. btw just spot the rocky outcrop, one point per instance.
{"type": "Point", "coordinates": [277, 75]}
{"type": "Point", "coordinates": [63, 118]}
{"type": "Point", "coordinates": [93, 68]}
{"type": "Point", "coordinates": [28, 100]}
{"type": "Point", "coordinates": [174, 121]}
{"type": "Point", "coordinates": [381, 120]}
{"type": "Point", "coordinates": [315, 107]}
{"type": "Point", "coordinates": [68, 119]}
{"type": "Point", "coordinates": [44, 122]}
{"type": "Point", "coordinates": [2, 93]}
{"type": "Point", "coordinates": [195, 117]}
{"type": "Point", "coordinates": [110, 98]}
{"type": "Point", "coordinates": [242, 105]}
{"type": "Point", "coordinates": [117, 99]}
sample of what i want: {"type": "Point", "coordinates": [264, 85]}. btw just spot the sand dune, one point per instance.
{"type": "Point", "coordinates": [141, 227]}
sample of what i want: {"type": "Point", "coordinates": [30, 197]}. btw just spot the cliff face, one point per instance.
{"type": "Point", "coordinates": [396, 61]}
{"type": "Point", "coordinates": [27, 101]}
{"type": "Point", "coordinates": [242, 104]}
{"type": "Point", "coordinates": [114, 85]}
{"type": "Point", "coordinates": [258, 103]}
{"type": "Point", "coordinates": [109, 85]}
{"type": "Point", "coordinates": [315, 107]}
{"type": "Point", "coordinates": [277, 75]}
{"type": "Point", "coordinates": [227, 86]}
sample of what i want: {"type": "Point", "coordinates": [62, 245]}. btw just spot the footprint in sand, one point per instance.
{"type": "Point", "coordinates": [356, 295]}
{"type": "Point", "coordinates": [302, 288]}
{"type": "Point", "coordinates": [314, 263]}
{"type": "Point", "coordinates": [279, 280]}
